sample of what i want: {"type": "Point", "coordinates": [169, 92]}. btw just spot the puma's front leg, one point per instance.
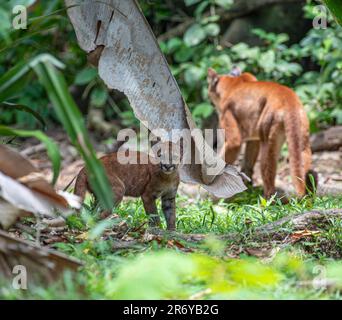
{"type": "Point", "coordinates": [151, 210]}
{"type": "Point", "coordinates": [169, 209]}
{"type": "Point", "coordinates": [233, 137]}
{"type": "Point", "coordinates": [250, 158]}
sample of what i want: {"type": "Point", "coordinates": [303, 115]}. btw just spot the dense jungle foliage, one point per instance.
{"type": "Point", "coordinates": [47, 84]}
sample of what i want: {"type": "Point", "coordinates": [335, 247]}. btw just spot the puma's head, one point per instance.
{"type": "Point", "coordinates": [213, 81]}
{"type": "Point", "coordinates": [169, 156]}
{"type": "Point", "coordinates": [218, 85]}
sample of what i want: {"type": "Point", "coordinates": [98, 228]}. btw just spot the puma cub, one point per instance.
{"type": "Point", "coordinates": [155, 179]}
{"type": "Point", "coordinates": [264, 115]}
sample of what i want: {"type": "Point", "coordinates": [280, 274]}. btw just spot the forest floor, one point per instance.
{"type": "Point", "coordinates": [217, 251]}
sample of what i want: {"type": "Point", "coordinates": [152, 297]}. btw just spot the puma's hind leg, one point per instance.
{"type": "Point", "coordinates": [270, 149]}
{"type": "Point", "coordinates": [118, 189]}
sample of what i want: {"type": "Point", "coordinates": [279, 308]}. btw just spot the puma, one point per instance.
{"type": "Point", "coordinates": [150, 181]}
{"type": "Point", "coordinates": [263, 115]}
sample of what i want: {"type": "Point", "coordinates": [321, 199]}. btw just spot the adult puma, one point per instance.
{"type": "Point", "coordinates": [264, 115]}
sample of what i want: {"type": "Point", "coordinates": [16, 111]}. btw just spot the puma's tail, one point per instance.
{"type": "Point", "coordinates": [297, 136]}
{"type": "Point", "coordinates": [81, 185]}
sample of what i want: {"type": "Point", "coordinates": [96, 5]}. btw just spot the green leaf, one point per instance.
{"type": "Point", "coordinates": [26, 109]}
{"type": "Point", "coordinates": [224, 3]}
{"type": "Point", "coordinates": [243, 51]}
{"type": "Point", "coordinates": [194, 35]}
{"type": "Point", "coordinates": [184, 54]}
{"type": "Point", "coordinates": [335, 7]}
{"type": "Point", "coordinates": [200, 8]}
{"type": "Point", "coordinates": [204, 110]}
{"type": "Point", "coordinates": [98, 97]}
{"type": "Point", "coordinates": [174, 44]}
{"type": "Point", "coordinates": [51, 147]}
{"type": "Point", "coordinates": [45, 66]}
{"type": "Point", "coordinates": [267, 61]}
{"type": "Point", "coordinates": [193, 75]}
{"type": "Point", "coordinates": [212, 29]}
{"type": "Point", "coordinates": [12, 82]}
{"type": "Point", "coordinates": [338, 115]}
{"type": "Point", "coordinates": [72, 120]}
{"type": "Point", "coordinates": [85, 76]}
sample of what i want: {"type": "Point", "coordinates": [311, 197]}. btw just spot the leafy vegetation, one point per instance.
{"type": "Point", "coordinates": [335, 8]}
{"type": "Point", "coordinates": [319, 88]}
{"type": "Point", "coordinates": [46, 67]}
{"type": "Point", "coordinates": [312, 66]}
{"type": "Point", "coordinates": [44, 78]}
{"type": "Point", "coordinates": [162, 268]}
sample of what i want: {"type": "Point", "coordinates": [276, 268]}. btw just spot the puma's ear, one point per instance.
{"type": "Point", "coordinates": [236, 72]}
{"type": "Point", "coordinates": [213, 78]}
{"type": "Point", "coordinates": [212, 73]}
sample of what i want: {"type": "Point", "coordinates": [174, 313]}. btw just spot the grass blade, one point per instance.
{"type": "Point", "coordinates": [72, 120]}
{"type": "Point", "coordinates": [335, 6]}
{"type": "Point", "coordinates": [45, 66]}
{"type": "Point", "coordinates": [26, 109]}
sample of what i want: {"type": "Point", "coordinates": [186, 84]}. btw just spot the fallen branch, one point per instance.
{"type": "Point", "coordinates": [300, 221]}
{"type": "Point", "coordinates": [328, 140]}
{"type": "Point", "coordinates": [239, 9]}
{"type": "Point", "coordinates": [295, 222]}
{"type": "Point", "coordinates": [33, 150]}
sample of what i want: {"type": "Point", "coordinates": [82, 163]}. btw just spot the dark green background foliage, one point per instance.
{"type": "Point", "coordinates": [312, 65]}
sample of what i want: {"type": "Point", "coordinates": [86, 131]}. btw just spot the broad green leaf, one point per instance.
{"type": "Point", "coordinates": [51, 147]}
{"type": "Point", "coordinates": [204, 110]}
{"type": "Point", "coordinates": [85, 76]}
{"type": "Point", "coordinates": [174, 44]}
{"type": "Point", "coordinates": [184, 54]}
{"type": "Point", "coordinates": [224, 3]}
{"type": "Point", "coordinates": [201, 8]}
{"type": "Point", "coordinates": [212, 29]}
{"type": "Point", "coordinates": [194, 35]}
{"type": "Point", "coordinates": [267, 61]}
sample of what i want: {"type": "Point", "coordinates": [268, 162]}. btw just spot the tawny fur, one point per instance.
{"type": "Point", "coordinates": [264, 115]}
{"type": "Point", "coordinates": [147, 181]}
